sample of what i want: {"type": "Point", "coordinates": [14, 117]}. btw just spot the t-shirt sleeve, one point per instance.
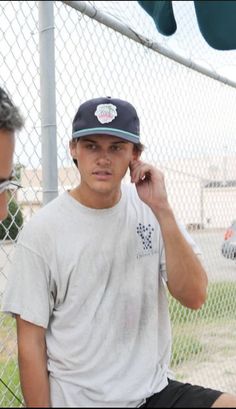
{"type": "Point", "coordinates": [29, 288]}
{"type": "Point", "coordinates": [189, 239]}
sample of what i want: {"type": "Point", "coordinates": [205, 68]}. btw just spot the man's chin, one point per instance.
{"type": "Point", "coordinates": [104, 187]}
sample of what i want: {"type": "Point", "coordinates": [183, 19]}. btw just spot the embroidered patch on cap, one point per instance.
{"type": "Point", "coordinates": [105, 113]}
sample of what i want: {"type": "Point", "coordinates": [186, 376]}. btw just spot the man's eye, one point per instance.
{"type": "Point", "coordinates": [91, 146]}
{"type": "Point", "coordinates": [115, 148]}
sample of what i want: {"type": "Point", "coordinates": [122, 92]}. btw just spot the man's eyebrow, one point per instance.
{"type": "Point", "coordinates": [120, 142]}
{"type": "Point", "coordinates": [86, 140]}
{"type": "Point", "coordinates": [93, 141]}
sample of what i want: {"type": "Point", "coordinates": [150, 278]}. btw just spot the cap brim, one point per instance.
{"type": "Point", "coordinates": [128, 136]}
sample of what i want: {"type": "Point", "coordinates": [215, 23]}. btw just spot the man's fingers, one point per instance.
{"type": "Point", "coordinates": [134, 164]}
{"type": "Point", "coordinates": [140, 172]}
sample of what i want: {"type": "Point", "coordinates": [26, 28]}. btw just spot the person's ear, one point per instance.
{"type": "Point", "coordinates": [136, 154]}
{"type": "Point", "coordinates": [72, 146]}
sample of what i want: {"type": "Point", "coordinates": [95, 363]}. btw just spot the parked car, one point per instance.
{"type": "Point", "coordinates": [228, 248]}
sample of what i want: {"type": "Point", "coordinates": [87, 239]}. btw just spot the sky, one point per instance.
{"type": "Point", "coordinates": [91, 60]}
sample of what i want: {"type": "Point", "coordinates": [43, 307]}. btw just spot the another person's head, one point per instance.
{"type": "Point", "coordinates": [105, 134]}
{"type": "Point", "coordinates": [10, 122]}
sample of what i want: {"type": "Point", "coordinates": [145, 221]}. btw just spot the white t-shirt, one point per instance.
{"type": "Point", "coordinates": [95, 279]}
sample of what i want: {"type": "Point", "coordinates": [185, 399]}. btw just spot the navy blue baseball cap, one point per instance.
{"type": "Point", "coordinates": [107, 116]}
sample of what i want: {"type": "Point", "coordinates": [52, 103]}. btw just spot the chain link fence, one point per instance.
{"type": "Point", "coordinates": [188, 126]}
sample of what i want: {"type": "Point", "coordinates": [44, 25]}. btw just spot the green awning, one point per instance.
{"type": "Point", "coordinates": [216, 20]}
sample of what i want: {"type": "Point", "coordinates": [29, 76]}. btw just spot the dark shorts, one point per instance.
{"type": "Point", "coordinates": [182, 395]}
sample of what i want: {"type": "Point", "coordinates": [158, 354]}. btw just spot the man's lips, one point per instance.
{"type": "Point", "coordinates": [102, 174]}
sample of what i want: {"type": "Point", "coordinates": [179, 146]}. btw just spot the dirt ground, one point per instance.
{"type": "Point", "coordinates": [217, 373]}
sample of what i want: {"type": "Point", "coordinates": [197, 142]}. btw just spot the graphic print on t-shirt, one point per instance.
{"type": "Point", "coordinates": [145, 233]}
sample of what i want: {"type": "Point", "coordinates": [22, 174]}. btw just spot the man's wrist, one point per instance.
{"type": "Point", "coordinates": [163, 214]}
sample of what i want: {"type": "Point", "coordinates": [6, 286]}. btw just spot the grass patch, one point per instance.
{"type": "Point", "coordinates": [7, 321]}
{"type": "Point", "coordinates": [9, 375]}
{"type": "Point", "coordinates": [220, 304]}
{"type": "Point", "coordinates": [10, 393]}
{"type": "Point", "coordinates": [185, 348]}
{"type": "Point", "coordinates": [218, 311]}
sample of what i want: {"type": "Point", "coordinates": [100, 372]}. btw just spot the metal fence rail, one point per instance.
{"type": "Point", "coordinates": [56, 55]}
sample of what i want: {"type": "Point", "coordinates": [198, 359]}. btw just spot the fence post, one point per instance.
{"type": "Point", "coordinates": [48, 101]}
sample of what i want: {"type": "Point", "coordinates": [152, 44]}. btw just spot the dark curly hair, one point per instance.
{"type": "Point", "coordinates": [10, 117]}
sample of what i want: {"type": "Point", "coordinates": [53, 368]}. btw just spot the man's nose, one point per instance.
{"type": "Point", "coordinates": [104, 157]}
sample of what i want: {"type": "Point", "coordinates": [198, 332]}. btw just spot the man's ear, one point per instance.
{"type": "Point", "coordinates": [72, 146]}
{"type": "Point", "coordinates": [136, 154]}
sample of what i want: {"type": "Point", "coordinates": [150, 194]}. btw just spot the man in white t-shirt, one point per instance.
{"type": "Point", "coordinates": [10, 122]}
{"type": "Point", "coordinates": [88, 280]}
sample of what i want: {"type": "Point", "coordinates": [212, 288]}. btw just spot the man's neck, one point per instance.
{"type": "Point", "coordinates": [96, 200]}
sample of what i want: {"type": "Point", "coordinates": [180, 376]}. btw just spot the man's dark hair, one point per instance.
{"type": "Point", "coordinates": [10, 117]}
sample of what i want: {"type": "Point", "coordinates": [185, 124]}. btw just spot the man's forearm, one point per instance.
{"type": "Point", "coordinates": [187, 280]}
{"type": "Point", "coordinates": [34, 382]}
{"type": "Point", "coordinates": [32, 358]}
